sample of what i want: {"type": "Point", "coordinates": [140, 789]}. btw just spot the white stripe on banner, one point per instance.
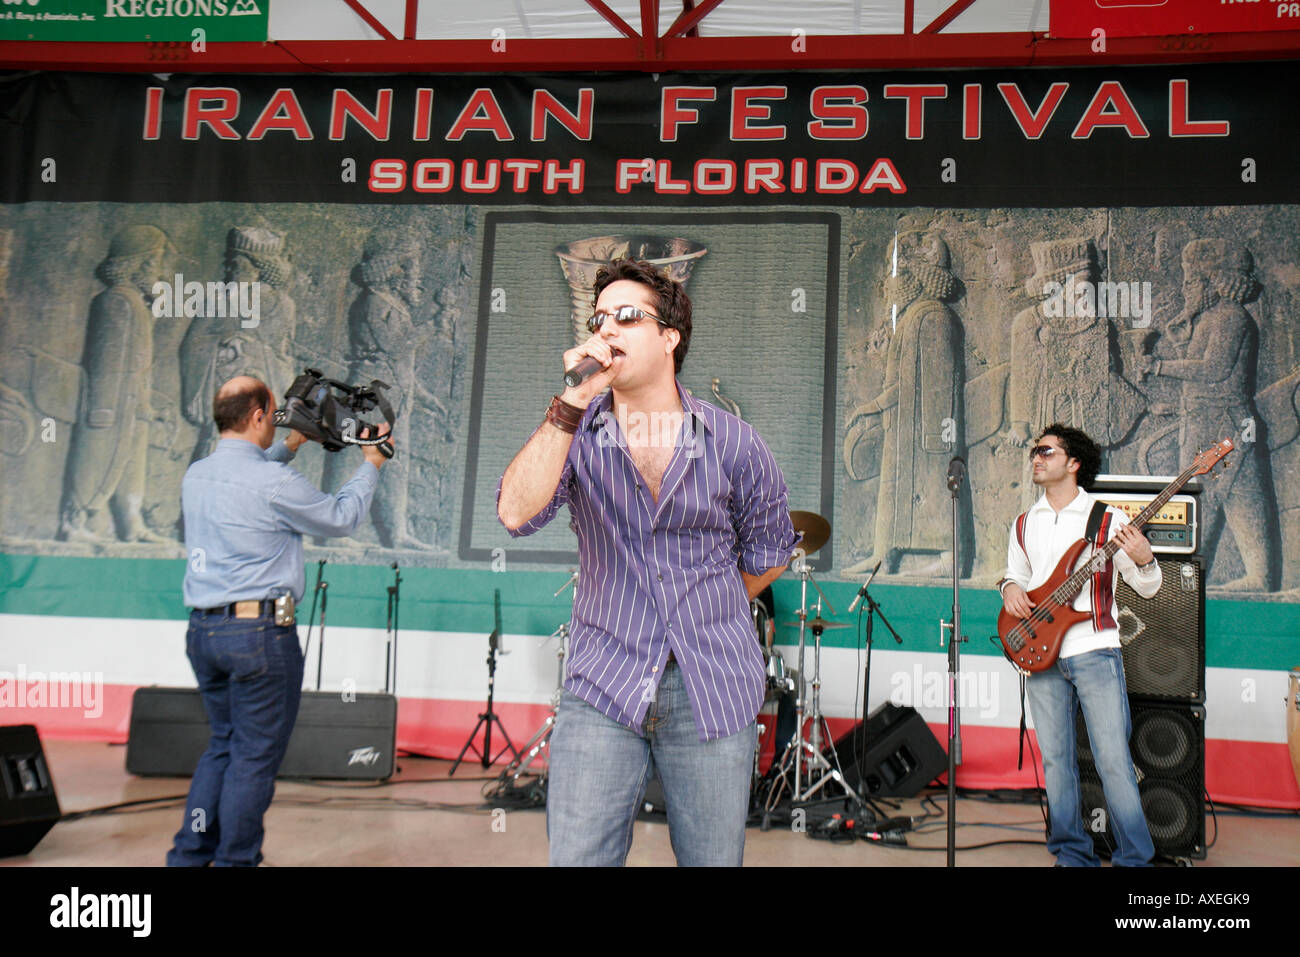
{"type": "Point", "coordinates": [431, 664]}
{"type": "Point", "coordinates": [1241, 704]}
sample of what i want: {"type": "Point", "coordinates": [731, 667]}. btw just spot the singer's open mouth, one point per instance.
{"type": "Point", "coordinates": [616, 351]}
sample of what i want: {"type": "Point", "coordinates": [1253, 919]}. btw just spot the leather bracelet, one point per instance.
{"type": "Point", "coordinates": [563, 416]}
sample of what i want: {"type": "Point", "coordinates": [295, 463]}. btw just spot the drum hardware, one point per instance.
{"type": "Point", "coordinates": [802, 756]}
{"type": "Point", "coordinates": [509, 780]}
{"type": "Point", "coordinates": [728, 404]}
{"type": "Point", "coordinates": [780, 680]}
{"type": "Point", "coordinates": [488, 717]}
{"type": "Point", "coordinates": [816, 530]}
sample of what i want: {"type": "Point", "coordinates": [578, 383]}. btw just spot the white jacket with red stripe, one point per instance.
{"type": "Point", "coordinates": [1040, 536]}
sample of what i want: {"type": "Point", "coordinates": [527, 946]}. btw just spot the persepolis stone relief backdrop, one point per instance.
{"type": "Point", "coordinates": [960, 332]}
{"type": "Point", "coordinates": [103, 404]}
{"type": "Point", "coordinates": [1196, 341]}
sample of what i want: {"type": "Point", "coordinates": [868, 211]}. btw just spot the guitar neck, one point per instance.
{"type": "Point", "coordinates": [1072, 585]}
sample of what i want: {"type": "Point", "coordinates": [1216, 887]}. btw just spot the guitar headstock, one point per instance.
{"type": "Point", "coordinates": [1211, 457]}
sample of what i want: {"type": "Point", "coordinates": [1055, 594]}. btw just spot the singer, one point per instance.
{"type": "Point", "coordinates": [1090, 671]}
{"type": "Point", "coordinates": [681, 516]}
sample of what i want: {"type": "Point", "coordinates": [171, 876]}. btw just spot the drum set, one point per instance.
{"type": "Point", "coordinates": [803, 766]}
{"type": "Point", "coordinates": [808, 762]}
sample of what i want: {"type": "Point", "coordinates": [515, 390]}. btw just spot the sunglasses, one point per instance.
{"type": "Point", "coordinates": [624, 315]}
{"type": "Point", "coordinates": [1046, 451]}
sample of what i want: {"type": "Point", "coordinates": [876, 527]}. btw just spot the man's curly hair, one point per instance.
{"type": "Point", "coordinates": [1078, 445]}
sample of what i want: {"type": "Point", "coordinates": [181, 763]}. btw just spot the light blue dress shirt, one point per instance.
{"type": "Point", "coordinates": [246, 512]}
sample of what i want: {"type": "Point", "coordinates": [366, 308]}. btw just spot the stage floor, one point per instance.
{"type": "Point", "coordinates": [421, 818]}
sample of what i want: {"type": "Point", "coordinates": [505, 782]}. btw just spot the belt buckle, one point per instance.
{"type": "Point", "coordinates": [248, 609]}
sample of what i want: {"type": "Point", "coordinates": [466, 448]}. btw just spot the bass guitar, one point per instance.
{"type": "Point", "coordinates": [1033, 644]}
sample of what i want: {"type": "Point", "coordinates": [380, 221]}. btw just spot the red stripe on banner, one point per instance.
{"type": "Point", "coordinates": [1236, 772]}
{"type": "Point", "coordinates": [1250, 772]}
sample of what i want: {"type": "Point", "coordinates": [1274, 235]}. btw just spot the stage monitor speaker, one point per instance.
{"type": "Point", "coordinates": [352, 738]}
{"type": "Point", "coordinates": [1168, 747]}
{"type": "Point", "coordinates": [28, 804]}
{"type": "Point", "coordinates": [902, 753]}
{"type": "Point", "coordinates": [1163, 637]}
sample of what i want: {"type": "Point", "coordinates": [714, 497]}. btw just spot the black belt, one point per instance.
{"type": "Point", "coordinates": [265, 607]}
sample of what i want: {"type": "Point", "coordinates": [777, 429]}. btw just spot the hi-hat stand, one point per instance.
{"type": "Point", "coordinates": [489, 717]}
{"type": "Point", "coordinates": [801, 755]}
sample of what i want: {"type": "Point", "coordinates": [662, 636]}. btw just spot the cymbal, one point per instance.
{"type": "Point", "coordinates": [816, 530]}
{"type": "Point", "coordinates": [819, 622]}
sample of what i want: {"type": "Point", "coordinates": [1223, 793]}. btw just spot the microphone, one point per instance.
{"type": "Point", "coordinates": [587, 367]}
{"type": "Point", "coordinates": [863, 590]}
{"type": "Point", "coordinates": [956, 473]}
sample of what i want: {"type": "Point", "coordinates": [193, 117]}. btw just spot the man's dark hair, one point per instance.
{"type": "Point", "coordinates": [232, 412]}
{"type": "Point", "coordinates": [1079, 446]}
{"type": "Point", "coordinates": [671, 302]}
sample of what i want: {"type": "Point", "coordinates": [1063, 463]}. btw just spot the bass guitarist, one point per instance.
{"type": "Point", "coordinates": [1090, 669]}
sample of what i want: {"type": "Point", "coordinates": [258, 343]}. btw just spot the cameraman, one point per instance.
{"type": "Point", "coordinates": [245, 514]}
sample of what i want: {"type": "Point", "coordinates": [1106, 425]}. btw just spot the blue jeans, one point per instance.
{"type": "Point", "coordinates": [250, 677]}
{"type": "Point", "coordinates": [598, 775]}
{"type": "Point", "coordinates": [1095, 681]}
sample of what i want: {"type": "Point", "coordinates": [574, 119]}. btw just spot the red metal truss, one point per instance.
{"type": "Point", "coordinates": [690, 17]}
{"type": "Point", "coordinates": [669, 53]}
{"type": "Point", "coordinates": [949, 15]}
{"type": "Point", "coordinates": [412, 14]}
{"type": "Point", "coordinates": [617, 22]}
{"type": "Point", "coordinates": [371, 20]}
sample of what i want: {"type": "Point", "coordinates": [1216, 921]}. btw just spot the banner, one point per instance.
{"type": "Point", "coordinates": [1156, 18]}
{"type": "Point", "coordinates": [1124, 136]}
{"type": "Point", "coordinates": [135, 21]}
{"type": "Point", "coordinates": [886, 271]}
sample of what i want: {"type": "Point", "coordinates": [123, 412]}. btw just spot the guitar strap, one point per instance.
{"type": "Point", "coordinates": [1095, 518]}
{"type": "Point", "coordinates": [1020, 758]}
{"type": "Point", "coordinates": [1094, 521]}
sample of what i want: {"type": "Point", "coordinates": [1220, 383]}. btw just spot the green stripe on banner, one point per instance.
{"type": "Point", "coordinates": [432, 599]}
{"type": "Point", "coordinates": [1239, 634]}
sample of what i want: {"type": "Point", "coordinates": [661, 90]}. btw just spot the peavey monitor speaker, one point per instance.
{"type": "Point", "coordinates": [28, 805]}
{"type": "Point", "coordinates": [350, 737]}
{"type": "Point", "coordinates": [1163, 637]}
{"type": "Point", "coordinates": [902, 753]}
{"type": "Point", "coordinates": [1168, 747]}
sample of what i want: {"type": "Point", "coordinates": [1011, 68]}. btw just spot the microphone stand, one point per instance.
{"type": "Point", "coordinates": [956, 475]}
{"type": "Point", "coordinates": [872, 610]}
{"type": "Point", "coordinates": [488, 717]}
{"type": "Point", "coordinates": [394, 597]}
{"type": "Point", "coordinates": [318, 591]}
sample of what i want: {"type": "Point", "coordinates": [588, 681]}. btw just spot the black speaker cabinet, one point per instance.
{"type": "Point", "coordinates": [337, 737]}
{"type": "Point", "coordinates": [1168, 746]}
{"type": "Point", "coordinates": [1164, 636]}
{"type": "Point", "coordinates": [28, 805]}
{"type": "Point", "coordinates": [902, 753]}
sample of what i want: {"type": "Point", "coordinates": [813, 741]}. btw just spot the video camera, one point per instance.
{"type": "Point", "coordinates": [331, 412]}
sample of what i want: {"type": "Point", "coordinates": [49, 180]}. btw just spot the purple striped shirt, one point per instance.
{"type": "Point", "coordinates": [666, 576]}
